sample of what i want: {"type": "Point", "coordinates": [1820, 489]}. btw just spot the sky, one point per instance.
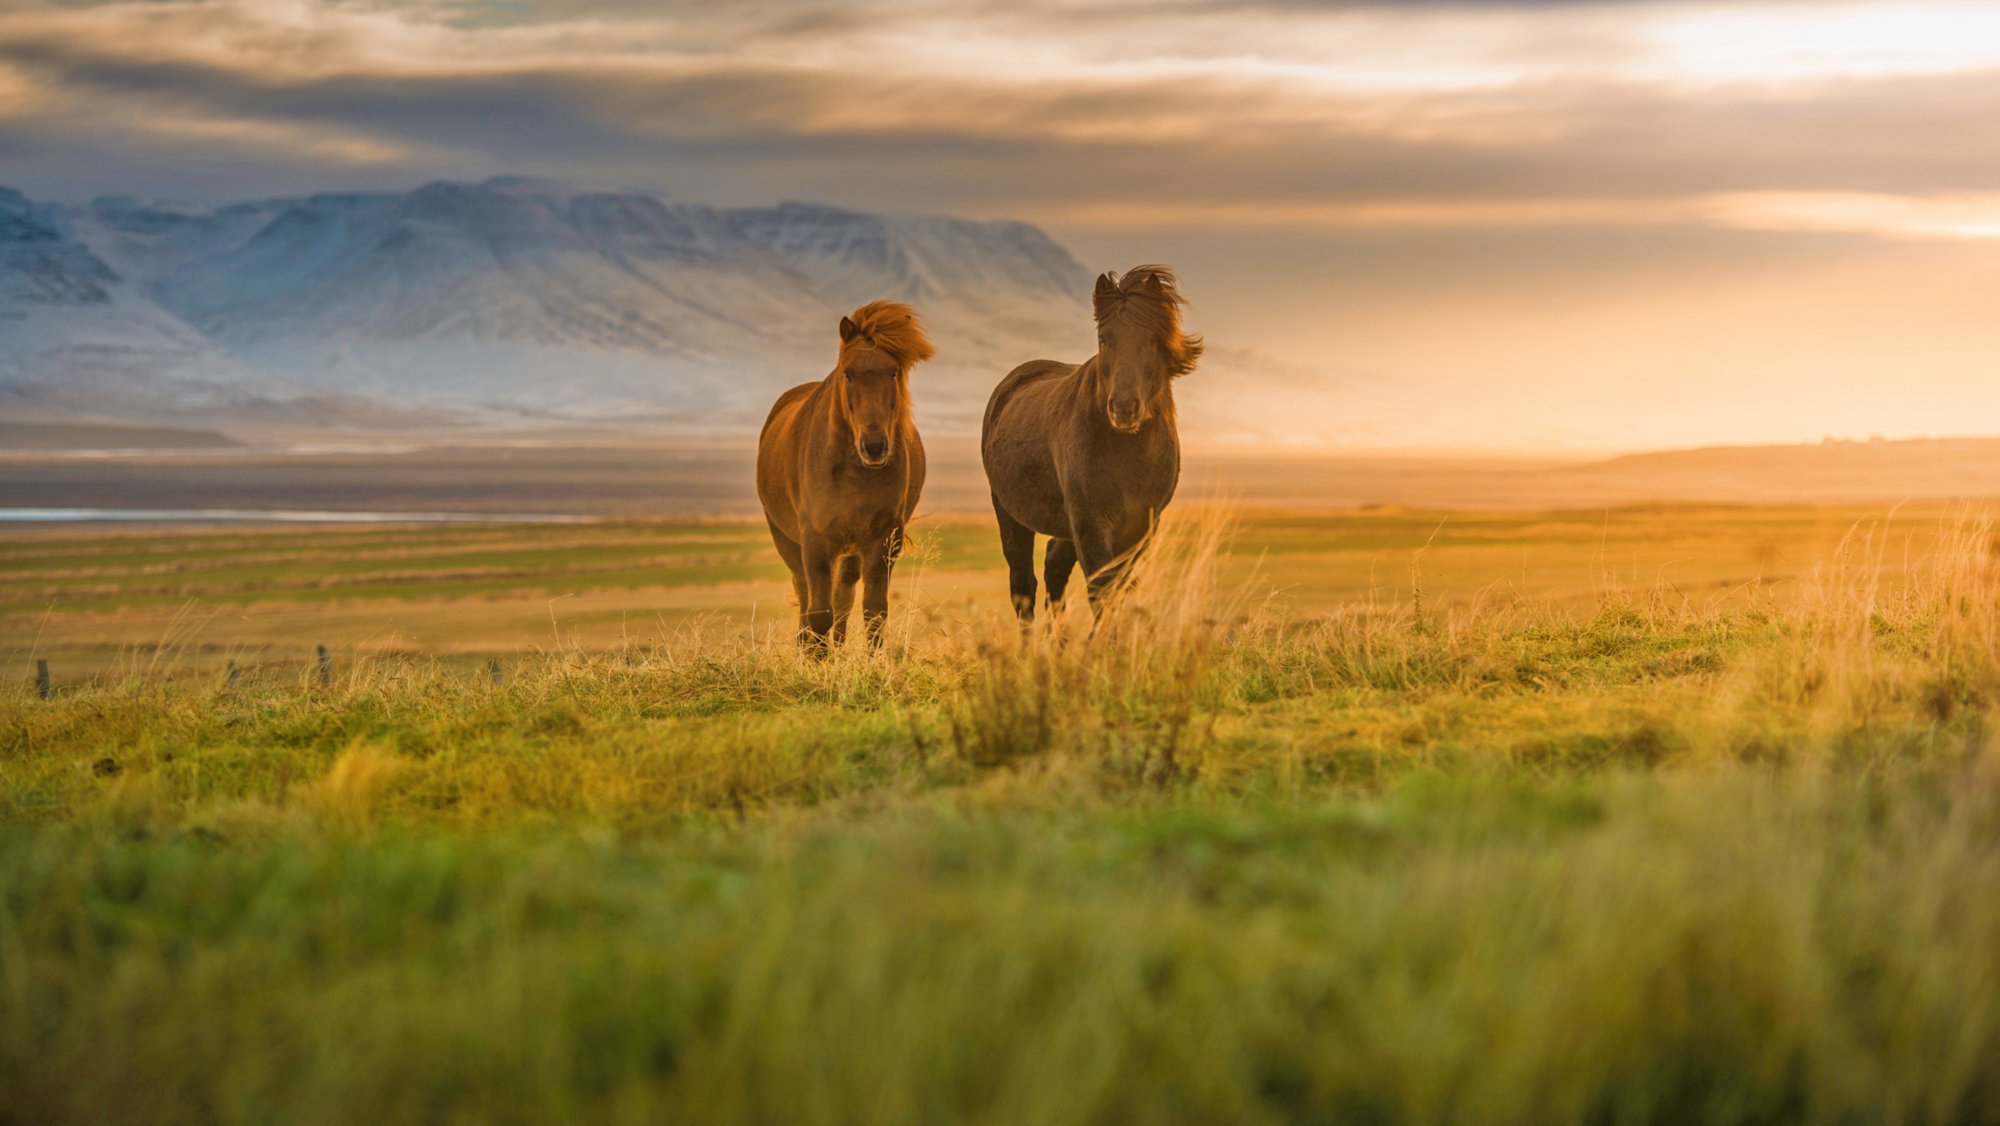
{"type": "Point", "coordinates": [1501, 223]}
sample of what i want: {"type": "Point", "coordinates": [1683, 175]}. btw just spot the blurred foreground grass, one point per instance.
{"type": "Point", "coordinates": [1628, 854]}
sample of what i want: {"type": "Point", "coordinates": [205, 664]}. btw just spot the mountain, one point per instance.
{"type": "Point", "coordinates": [79, 340]}
{"type": "Point", "coordinates": [1829, 472]}
{"type": "Point", "coordinates": [519, 299]}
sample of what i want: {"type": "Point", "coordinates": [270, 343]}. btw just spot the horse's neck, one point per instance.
{"type": "Point", "coordinates": [829, 392]}
{"type": "Point", "coordinates": [1087, 384]}
{"type": "Point", "coordinates": [1090, 394]}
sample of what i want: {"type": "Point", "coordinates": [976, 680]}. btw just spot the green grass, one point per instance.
{"type": "Point", "coordinates": [1721, 949]}
{"type": "Point", "coordinates": [1619, 854]}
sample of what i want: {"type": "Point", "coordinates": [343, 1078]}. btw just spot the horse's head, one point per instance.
{"type": "Point", "coordinates": [1140, 345]}
{"type": "Point", "coordinates": [879, 344]}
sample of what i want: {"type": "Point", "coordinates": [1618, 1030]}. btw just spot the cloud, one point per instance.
{"type": "Point", "coordinates": [1665, 220]}
{"type": "Point", "coordinates": [1402, 114]}
{"type": "Point", "coordinates": [1953, 217]}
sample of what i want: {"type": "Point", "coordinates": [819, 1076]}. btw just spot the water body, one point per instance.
{"type": "Point", "coordinates": [271, 516]}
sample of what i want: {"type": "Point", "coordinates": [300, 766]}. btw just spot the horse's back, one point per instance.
{"type": "Point", "coordinates": [1017, 445]}
{"type": "Point", "coordinates": [778, 454]}
{"type": "Point", "coordinates": [1025, 376]}
{"type": "Point", "coordinates": [785, 407]}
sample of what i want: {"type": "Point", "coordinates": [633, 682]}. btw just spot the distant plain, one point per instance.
{"type": "Point", "coordinates": [612, 474]}
{"type": "Point", "coordinates": [92, 597]}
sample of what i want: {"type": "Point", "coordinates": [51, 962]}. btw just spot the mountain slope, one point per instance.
{"type": "Point", "coordinates": [78, 340]}
{"type": "Point", "coordinates": [529, 299]}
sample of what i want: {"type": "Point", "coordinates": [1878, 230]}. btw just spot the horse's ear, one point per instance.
{"type": "Point", "coordinates": [847, 329]}
{"type": "Point", "coordinates": [1105, 298]}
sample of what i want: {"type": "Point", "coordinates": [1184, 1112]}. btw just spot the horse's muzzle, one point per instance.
{"type": "Point", "coordinates": [1127, 416]}
{"type": "Point", "coordinates": [873, 452]}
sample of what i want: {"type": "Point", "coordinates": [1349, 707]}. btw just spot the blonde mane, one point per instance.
{"type": "Point", "coordinates": [892, 327]}
{"type": "Point", "coordinates": [1151, 296]}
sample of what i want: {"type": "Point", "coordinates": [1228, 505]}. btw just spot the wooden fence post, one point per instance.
{"type": "Point", "coordinates": [325, 668]}
{"type": "Point", "coordinates": [42, 678]}
{"type": "Point", "coordinates": [232, 674]}
{"type": "Point", "coordinates": [493, 669]}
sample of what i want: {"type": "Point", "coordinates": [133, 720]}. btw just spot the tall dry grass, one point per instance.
{"type": "Point", "coordinates": [1115, 687]}
{"type": "Point", "coordinates": [1191, 679]}
{"type": "Point", "coordinates": [1898, 629]}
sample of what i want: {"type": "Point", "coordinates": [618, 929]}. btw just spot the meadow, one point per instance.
{"type": "Point", "coordinates": [1641, 815]}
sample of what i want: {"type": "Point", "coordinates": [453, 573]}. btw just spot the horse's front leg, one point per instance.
{"type": "Point", "coordinates": [878, 563]}
{"type": "Point", "coordinates": [819, 559]}
{"type": "Point", "coordinates": [845, 575]}
{"type": "Point", "coordinates": [1107, 553]}
{"type": "Point", "coordinates": [1105, 576]}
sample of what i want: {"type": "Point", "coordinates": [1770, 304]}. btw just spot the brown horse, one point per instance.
{"type": "Point", "coordinates": [1087, 454]}
{"type": "Point", "coordinates": [839, 469]}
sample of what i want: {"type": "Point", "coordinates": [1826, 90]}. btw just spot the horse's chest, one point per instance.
{"type": "Point", "coordinates": [854, 505]}
{"type": "Point", "coordinates": [1133, 473]}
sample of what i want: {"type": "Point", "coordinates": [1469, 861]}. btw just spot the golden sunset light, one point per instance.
{"type": "Point", "coordinates": [919, 562]}
{"type": "Point", "coordinates": [1526, 172]}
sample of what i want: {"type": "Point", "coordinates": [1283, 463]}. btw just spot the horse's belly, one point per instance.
{"type": "Point", "coordinates": [1021, 472]}
{"type": "Point", "coordinates": [1032, 496]}
{"type": "Point", "coordinates": [1046, 519]}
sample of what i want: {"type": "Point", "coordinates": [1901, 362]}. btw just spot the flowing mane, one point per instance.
{"type": "Point", "coordinates": [1151, 296]}
{"type": "Point", "coordinates": [893, 327]}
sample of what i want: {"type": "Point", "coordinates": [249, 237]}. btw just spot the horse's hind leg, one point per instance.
{"type": "Point", "coordinates": [845, 575]}
{"type": "Point", "coordinates": [788, 550]}
{"type": "Point", "coordinates": [818, 617]}
{"type": "Point", "coordinates": [1058, 562]}
{"type": "Point", "coordinates": [1017, 543]}
{"type": "Point", "coordinates": [877, 564]}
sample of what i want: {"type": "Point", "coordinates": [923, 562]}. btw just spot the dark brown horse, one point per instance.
{"type": "Point", "coordinates": [840, 468]}
{"type": "Point", "coordinates": [1087, 454]}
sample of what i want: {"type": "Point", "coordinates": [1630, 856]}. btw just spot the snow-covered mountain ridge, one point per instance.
{"type": "Point", "coordinates": [512, 299]}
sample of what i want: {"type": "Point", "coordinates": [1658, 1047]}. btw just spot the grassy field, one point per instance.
{"type": "Point", "coordinates": [97, 601]}
{"type": "Point", "coordinates": [1635, 816]}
